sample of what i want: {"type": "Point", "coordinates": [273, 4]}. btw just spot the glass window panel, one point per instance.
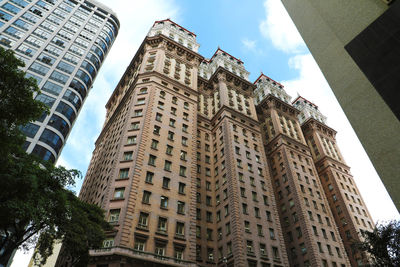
{"type": "Point", "coordinates": [52, 139]}
{"type": "Point", "coordinates": [59, 77]}
{"type": "Point", "coordinates": [52, 88]}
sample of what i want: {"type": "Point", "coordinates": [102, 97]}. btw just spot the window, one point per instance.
{"type": "Point", "coordinates": [114, 215]}
{"type": "Point", "coordinates": [119, 193]}
{"type": "Point", "coordinates": [132, 140]}
{"type": "Point", "coordinates": [149, 177]}
{"type": "Point", "coordinates": [209, 216]}
{"type": "Point", "coordinates": [182, 171]}
{"type": "Point", "coordinates": [260, 230]}
{"type": "Point", "coordinates": [167, 165]}
{"type": "Point", "coordinates": [123, 173]}
{"type": "Point", "coordinates": [209, 234]}
{"type": "Point", "coordinates": [127, 155]}
{"type": "Point", "coordinates": [156, 130]}
{"type": "Point", "coordinates": [180, 229]}
{"type": "Point", "coordinates": [166, 182]}
{"type": "Point", "coordinates": [184, 141]}
{"type": "Point", "coordinates": [173, 111]}
{"type": "Point", "coordinates": [154, 144]}
{"type": "Point", "coordinates": [185, 116]}
{"type": "Point", "coordinates": [181, 207]}
{"type": "Point", "coordinates": [170, 135]}
{"type": "Point", "coordinates": [169, 150]}
{"type": "Point", "coordinates": [172, 122]}
{"type": "Point", "coordinates": [249, 246]}
{"type": "Point", "coordinates": [183, 155]}
{"type": "Point", "coordinates": [164, 202]}
{"type": "Point", "coordinates": [178, 253]}
{"type": "Point", "coordinates": [198, 231]}
{"type": "Point", "coordinates": [256, 212]}
{"type": "Point", "coordinates": [210, 254]}
{"type": "Point", "coordinates": [159, 249]}
{"type": "Point", "coordinates": [160, 105]}
{"type": "Point", "coordinates": [228, 228]}
{"type": "Point", "coordinates": [226, 210]}
{"type": "Point", "coordinates": [139, 245]}
{"type": "Point", "coordinates": [271, 233]}
{"type": "Point", "coordinates": [208, 200]}
{"type": "Point", "coordinates": [140, 101]}
{"type": "Point", "coordinates": [135, 125]}
{"type": "Point", "coordinates": [268, 214]}
{"type": "Point", "coordinates": [108, 243]}
{"type": "Point", "coordinates": [254, 196]}
{"type": "Point", "coordinates": [263, 250]}
{"type": "Point", "coordinates": [181, 188]}
{"type": "Point", "coordinates": [158, 117]}
{"type": "Point", "coordinates": [242, 192]}
{"type": "Point", "coordinates": [152, 160]}
{"type": "Point", "coordinates": [186, 105]}
{"type": "Point", "coordinates": [146, 197]}
{"type": "Point", "coordinates": [185, 128]}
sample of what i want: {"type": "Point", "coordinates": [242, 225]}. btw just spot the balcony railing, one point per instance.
{"type": "Point", "coordinates": [141, 255]}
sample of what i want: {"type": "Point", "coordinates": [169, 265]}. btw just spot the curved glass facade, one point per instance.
{"type": "Point", "coordinates": [43, 153]}
{"type": "Point", "coordinates": [67, 111]}
{"type": "Point", "coordinates": [60, 124]}
{"type": "Point", "coordinates": [52, 139]}
{"type": "Point", "coordinates": [73, 98]}
{"type": "Point", "coordinates": [54, 39]}
{"type": "Point", "coordinates": [79, 87]}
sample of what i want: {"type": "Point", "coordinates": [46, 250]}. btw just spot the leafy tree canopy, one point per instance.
{"type": "Point", "coordinates": [35, 206]}
{"type": "Point", "coordinates": [383, 244]}
{"type": "Point", "coordinates": [17, 106]}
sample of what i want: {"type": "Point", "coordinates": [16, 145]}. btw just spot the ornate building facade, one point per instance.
{"type": "Point", "coordinates": [194, 166]}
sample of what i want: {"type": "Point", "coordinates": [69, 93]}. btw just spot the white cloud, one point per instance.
{"type": "Point", "coordinates": [312, 85]}
{"type": "Point", "coordinates": [279, 28]}
{"type": "Point", "coordinates": [249, 44]}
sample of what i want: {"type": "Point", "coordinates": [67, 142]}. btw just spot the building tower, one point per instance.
{"type": "Point", "coordinates": [349, 210]}
{"type": "Point", "coordinates": [310, 232]}
{"type": "Point", "coordinates": [179, 165]}
{"type": "Point", "coordinates": [63, 45]}
{"type": "Point", "coordinates": [236, 182]}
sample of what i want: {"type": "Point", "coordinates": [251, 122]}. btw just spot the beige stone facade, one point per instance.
{"type": "Point", "coordinates": [195, 167]}
{"type": "Point", "coordinates": [345, 201]}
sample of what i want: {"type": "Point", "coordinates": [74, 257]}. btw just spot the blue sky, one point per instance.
{"type": "Point", "coordinates": [263, 36]}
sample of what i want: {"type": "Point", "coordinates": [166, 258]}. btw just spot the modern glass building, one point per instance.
{"type": "Point", "coordinates": [63, 44]}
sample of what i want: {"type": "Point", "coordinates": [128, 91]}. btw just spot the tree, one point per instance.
{"type": "Point", "coordinates": [383, 244]}
{"type": "Point", "coordinates": [16, 101]}
{"type": "Point", "coordinates": [35, 206]}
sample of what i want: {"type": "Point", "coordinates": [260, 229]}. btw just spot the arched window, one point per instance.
{"type": "Point", "coordinates": [143, 90]}
{"type": "Point", "coordinates": [162, 94]}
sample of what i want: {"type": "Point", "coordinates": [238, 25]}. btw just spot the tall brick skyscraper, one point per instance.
{"type": "Point", "coordinates": [345, 201]}
{"type": "Point", "coordinates": [191, 159]}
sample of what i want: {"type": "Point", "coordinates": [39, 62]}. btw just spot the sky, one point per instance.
{"type": "Point", "coordinates": [263, 36]}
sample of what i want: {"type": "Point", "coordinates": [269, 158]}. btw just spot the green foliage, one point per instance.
{"type": "Point", "coordinates": [16, 101]}
{"type": "Point", "coordinates": [383, 244]}
{"type": "Point", "coordinates": [35, 206]}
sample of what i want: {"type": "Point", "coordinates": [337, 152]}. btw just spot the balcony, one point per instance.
{"type": "Point", "coordinates": [140, 256]}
